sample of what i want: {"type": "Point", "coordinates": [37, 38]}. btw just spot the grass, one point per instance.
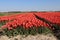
{"type": "Point", "coordinates": [4, 14]}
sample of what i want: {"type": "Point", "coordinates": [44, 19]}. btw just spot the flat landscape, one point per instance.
{"type": "Point", "coordinates": [30, 24]}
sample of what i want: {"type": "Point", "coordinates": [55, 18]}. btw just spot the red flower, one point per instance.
{"type": "Point", "coordinates": [29, 20]}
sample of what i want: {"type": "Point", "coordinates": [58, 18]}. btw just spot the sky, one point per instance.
{"type": "Point", "coordinates": [29, 5]}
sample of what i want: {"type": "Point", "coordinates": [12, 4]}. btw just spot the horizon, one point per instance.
{"type": "Point", "coordinates": [29, 5]}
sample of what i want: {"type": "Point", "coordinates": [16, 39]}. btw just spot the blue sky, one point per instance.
{"type": "Point", "coordinates": [29, 5]}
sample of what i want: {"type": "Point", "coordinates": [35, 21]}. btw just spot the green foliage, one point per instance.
{"type": "Point", "coordinates": [1, 14]}
{"type": "Point", "coordinates": [57, 27]}
{"type": "Point", "coordinates": [3, 23]}
{"type": "Point", "coordinates": [31, 31]}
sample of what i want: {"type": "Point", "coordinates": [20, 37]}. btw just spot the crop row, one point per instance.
{"type": "Point", "coordinates": [29, 20]}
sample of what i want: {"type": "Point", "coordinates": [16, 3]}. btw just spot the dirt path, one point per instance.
{"type": "Point", "coordinates": [30, 37]}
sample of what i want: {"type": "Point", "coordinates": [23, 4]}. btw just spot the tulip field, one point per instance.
{"type": "Point", "coordinates": [30, 23]}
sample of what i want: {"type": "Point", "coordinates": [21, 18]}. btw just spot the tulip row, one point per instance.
{"type": "Point", "coordinates": [29, 20]}
{"type": "Point", "coordinates": [54, 17]}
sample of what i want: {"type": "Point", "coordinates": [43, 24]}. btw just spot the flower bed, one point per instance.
{"type": "Point", "coordinates": [30, 23]}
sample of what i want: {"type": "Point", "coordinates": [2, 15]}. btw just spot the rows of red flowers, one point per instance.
{"type": "Point", "coordinates": [29, 20]}
{"type": "Point", "coordinates": [54, 17]}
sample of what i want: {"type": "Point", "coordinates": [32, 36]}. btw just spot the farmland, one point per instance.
{"type": "Point", "coordinates": [30, 23]}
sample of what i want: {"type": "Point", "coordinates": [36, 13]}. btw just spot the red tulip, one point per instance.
{"type": "Point", "coordinates": [29, 20]}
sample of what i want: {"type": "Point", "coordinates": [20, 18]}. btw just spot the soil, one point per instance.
{"type": "Point", "coordinates": [30, 37]}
